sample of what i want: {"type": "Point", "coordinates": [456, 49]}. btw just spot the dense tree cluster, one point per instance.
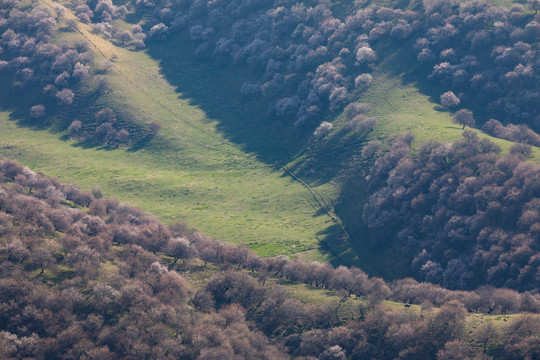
{"type": "Point", "coordinates": [29, 60]}
{"type": "Point", "coordinates": [487, 55]}
{"type": "Point", "coordinates": [306, 61]}
{"type": "Point", "coordinates": [106, 283]}
{"type": "Point", "coordinates": [463, 215]}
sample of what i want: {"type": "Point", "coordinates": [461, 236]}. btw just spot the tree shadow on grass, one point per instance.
{"type": "Point", "coordinates": [334, 244]}
{"type": "Point", "coordinates": [216, 90]}
{"type": "Point", "coordinates": [251, 124]}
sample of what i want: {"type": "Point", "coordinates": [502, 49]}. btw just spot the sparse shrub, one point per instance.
{"type": "Point", "coordinates": [361, 123]}
{"type": "Point", "coordinates": [75, 128]}
{"type": "Point", "coordinates": [355, 109]}
{"type": "Point", "coordinates": [105, 115]}
{"type": "Point", "coordinates": [370, 149]}
{"type": "Point", "coordinates": [97, 193]}
{"type": "Point", "coordinates": [154, 127]}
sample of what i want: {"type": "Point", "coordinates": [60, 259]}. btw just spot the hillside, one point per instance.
{"type": "Point", "coordinates": [194, 171]}
{"type": "Point", "coordinates": [273, 140]}
{"type": "Point", "coordinates": [86, 278]}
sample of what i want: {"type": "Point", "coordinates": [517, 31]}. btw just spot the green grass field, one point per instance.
{"type": "Point", "coordinates": [190, 172]}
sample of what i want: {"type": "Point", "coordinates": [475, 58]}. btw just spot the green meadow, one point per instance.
{"type": "Point", "coordinates": [190, 172]}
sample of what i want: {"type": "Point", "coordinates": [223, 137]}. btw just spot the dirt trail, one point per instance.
{"type": "Point", "coordinates": [319, 200]}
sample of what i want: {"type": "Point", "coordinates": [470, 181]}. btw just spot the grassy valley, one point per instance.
{"type": "Point", "coordinates": [262, 179]}
{"type": "Point", "coordinates": [191, 172]}
{"type": "Point", "coordinates": [217, 162]}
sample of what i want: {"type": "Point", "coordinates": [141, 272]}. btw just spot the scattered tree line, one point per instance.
{"type": "Point", "coordinates": [82, 277]}
{"type": "Point", "coordinates": [517, 133]}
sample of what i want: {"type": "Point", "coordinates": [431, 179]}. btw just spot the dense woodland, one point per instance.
{"type": "Point", "coordinates": [89, 278]}
{"type": "Point", "coordinates": [464, 215]}
{"type": "Point", "coordinates": [309, 57]}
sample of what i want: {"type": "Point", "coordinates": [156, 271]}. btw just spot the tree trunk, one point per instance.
{"type": "Point", "coordinates": [174, 262]}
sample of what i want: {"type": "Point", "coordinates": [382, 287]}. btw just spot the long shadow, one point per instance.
{"type": "Point", "coordinates": [248, 122]}
{"type": "Point", "coordinates": [216, 90]}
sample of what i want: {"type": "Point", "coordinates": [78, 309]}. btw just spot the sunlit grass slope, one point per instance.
{"type": "Point", "coordinates": [190, 172]}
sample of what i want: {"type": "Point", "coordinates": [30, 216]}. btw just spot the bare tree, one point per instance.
{"type": "Point", "coordinates": [179, 248]}
{"type": "Point", "coordinates": [42, 258]}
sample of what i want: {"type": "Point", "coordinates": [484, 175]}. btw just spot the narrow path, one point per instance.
{"type": "Point", "coordinates": [318, 199]}
{"type": "Point", "coordinates": [51, 4]}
